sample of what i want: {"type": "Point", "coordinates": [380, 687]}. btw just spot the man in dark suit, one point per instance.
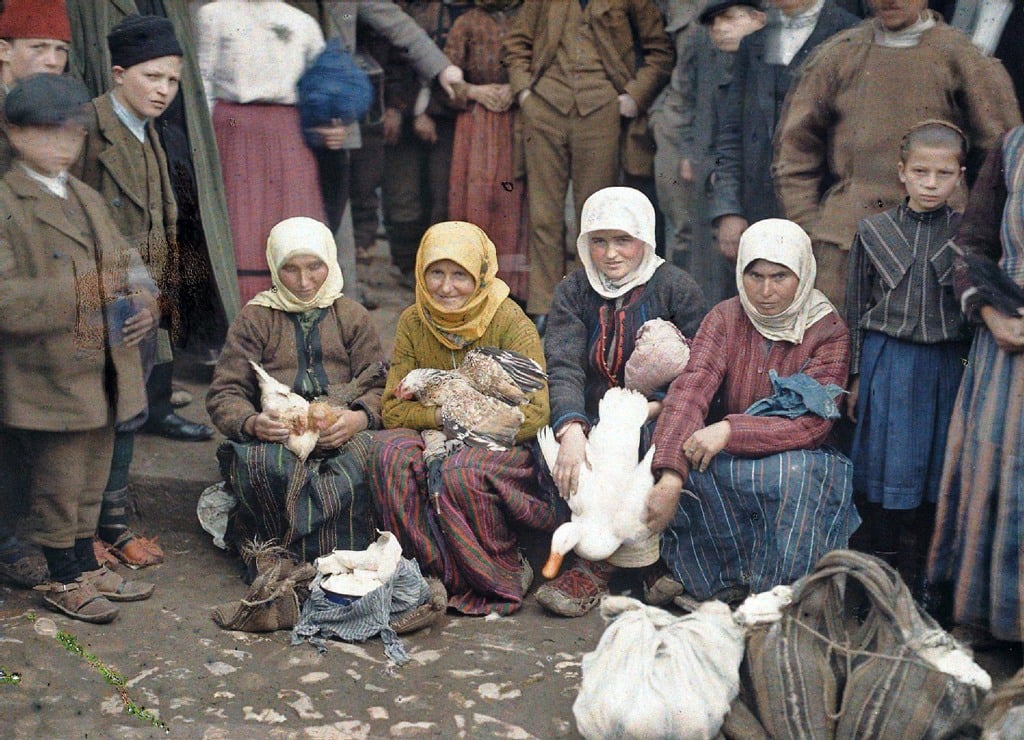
{"type": "Point", "coordinates": [765, 66]}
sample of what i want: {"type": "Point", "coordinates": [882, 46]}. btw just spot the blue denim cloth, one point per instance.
{"type": "Point", "coordinates": [796, 395]}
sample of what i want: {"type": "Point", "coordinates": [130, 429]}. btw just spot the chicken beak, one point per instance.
{"type": "Point", "coordinates": [552, 566]}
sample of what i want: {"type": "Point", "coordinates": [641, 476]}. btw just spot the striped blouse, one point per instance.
{"type": "Point", "coordinates": [900, 278]}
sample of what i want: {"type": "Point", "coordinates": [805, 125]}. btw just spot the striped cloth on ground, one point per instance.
{"type": "Point", "coordinates": [366, 616]}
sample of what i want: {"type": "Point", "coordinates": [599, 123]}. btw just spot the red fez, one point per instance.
{"type": "Point", "coordinates": [35, 19]}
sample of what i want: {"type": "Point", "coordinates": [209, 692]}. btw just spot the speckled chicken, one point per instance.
{"type": "Point", "coordinates": [478, 399]}
{"type": "Point", "coordinates": [503, 374]}
{"type": "Point", "coordinates": [291, 409]}
{"type": "Point", "coordinates": [466, 413]}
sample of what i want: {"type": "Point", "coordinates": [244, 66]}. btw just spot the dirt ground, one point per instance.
{"type": "Point", "coordinates": [512, 677]}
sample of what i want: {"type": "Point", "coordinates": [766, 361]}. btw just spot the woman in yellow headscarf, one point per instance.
{"type": "Point", "coordinates": [468, 541]}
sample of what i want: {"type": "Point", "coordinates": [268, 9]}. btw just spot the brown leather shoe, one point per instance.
{"type": "Point", "coordinates": [79, 600]}
{"type": "Point", "coordinates": [115, 587]}
{"type": "Point", "coordinates": [101, 550]}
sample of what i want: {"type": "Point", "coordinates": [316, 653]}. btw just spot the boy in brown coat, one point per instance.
{"type": "Point", "coordinates": [74, 304]}
{"type": "Point", "coordinates": [125, 162]}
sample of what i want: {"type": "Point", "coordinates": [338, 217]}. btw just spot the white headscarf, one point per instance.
{"type": "Point", "coordinates": [300, 236]}
{"type": "Point", "coordinates": [621, 209]}
{"type": "Point", "coordinates": [782, 242]}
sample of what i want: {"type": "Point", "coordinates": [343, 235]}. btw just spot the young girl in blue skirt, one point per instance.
{"type": "Point", "coordinates": [909, 347]}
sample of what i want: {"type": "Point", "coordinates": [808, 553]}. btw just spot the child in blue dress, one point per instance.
{"type": "Point", "coordinates": [909, 347]}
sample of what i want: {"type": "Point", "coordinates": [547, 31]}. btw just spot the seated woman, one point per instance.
{"type": "Point", "coordinates": [591, 333]}
{"type": "Point", "coordinates": [469, 541]}
{"type": "Point", "coordinates": [320, 344]}
{"type": "Point", "coordinates": [765, 499]}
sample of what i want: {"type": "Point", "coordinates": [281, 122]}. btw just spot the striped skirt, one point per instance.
{"type": "Point", "coordinates": [310, 508]}
{"type": "Point", "coordinates": [471, 545]}
{"type": "Point", "coordinates": [760, 522]}
{"type": "Point", "coordinates": [979, 526]}
{"type": "Point", "coordinates": [904, 406]}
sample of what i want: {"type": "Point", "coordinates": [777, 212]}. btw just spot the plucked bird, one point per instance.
{"type": "Point", "coordinates": [291, 409]}
{"type": "Point", "coordinates": [609, 505]}
{"type": "Point", "coordinates": [479, 399]}
{"type": "Point", "coordinates": [659, 356]}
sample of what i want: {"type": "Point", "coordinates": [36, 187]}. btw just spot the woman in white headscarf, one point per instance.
{"type": "Point", "coordinates": [322, 345]}
{"type": "Point", "coordinates": [770, 496]}
{"type": "Point", "coordinates": [591, 332]}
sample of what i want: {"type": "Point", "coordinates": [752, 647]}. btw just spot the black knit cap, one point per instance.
{"type": "Point", "coordinates": [139, 38]}
{"type": "Point", "coordinates": [718, 8]}
{"type": "Point", "coordinates": [45, 100]}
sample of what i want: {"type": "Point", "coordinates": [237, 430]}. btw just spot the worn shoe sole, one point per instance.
{"type": "Point", "coordinates": [117, 588]}
{"type": "Point", "coordinates": [72, 605]}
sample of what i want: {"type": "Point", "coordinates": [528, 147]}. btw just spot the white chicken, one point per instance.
{"type": "Point", "coordinates": [609, 505]}
{"type": "Point", "coordinates": [291, 409]}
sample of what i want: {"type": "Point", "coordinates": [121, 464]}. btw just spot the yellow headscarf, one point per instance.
{"type": "Point", "coordinates": [467, 246]}
{"type": "Point", "coordinates": [295, 236]}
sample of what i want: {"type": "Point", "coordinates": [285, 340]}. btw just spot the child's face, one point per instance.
{"type": "Point", "coordinates": [26, 57]}
{"type": "Point", "coordinates": [930, 175]}
{"type": "Point", "coordinates": [729, 27]}
{"type": "Point", "coordinates": [48, 150]}
{"type": "Point", "coordinates": [147, 88]}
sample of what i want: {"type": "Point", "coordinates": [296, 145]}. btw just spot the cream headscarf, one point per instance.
{"type": "Point", "coordinates": [467, 246]}
{"type": "Point", "coordinates": [295, 236]}
{"type": "Point", "coordinates": [622, 209]}
{"type": "Point", "coordinates": [783, 242]}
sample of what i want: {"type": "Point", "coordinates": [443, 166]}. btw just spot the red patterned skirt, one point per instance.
{"type": "Point", "coordinates": [471, 545]}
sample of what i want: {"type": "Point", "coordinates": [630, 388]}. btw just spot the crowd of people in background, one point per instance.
{"type": "Point", "coordinates": [821, 190]}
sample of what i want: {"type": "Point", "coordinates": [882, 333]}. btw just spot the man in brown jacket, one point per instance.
{"type": "Point", "coordinates": [578, 68]}
{"type": "Point", "coordinates": [74, 304]}
{"type": "Point", "coordinates": [838, 138]}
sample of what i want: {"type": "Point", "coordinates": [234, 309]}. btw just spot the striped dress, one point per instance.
{"type": "Point", "coordinates": [979, 532]}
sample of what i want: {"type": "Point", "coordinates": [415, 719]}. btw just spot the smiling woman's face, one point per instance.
{"type": "Point", "coordinates": [448, 284]}
{"type": "Point", "coordinates": [614, 253]}
{"type": "Point", "coordinates": [771, 287]}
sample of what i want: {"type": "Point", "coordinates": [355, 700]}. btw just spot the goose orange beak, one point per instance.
{"type": "Point", "coordinates": [552, 566]}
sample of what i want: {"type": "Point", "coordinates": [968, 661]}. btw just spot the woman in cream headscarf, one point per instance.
{"type": "Point", "coordinates": [591, 333]}
{"type": "Point", "coordinates": [469, 540]}
{"type": "Point", "coordinates": [770, 497]}
{"type": "Point", "coordinates": [307, 335]}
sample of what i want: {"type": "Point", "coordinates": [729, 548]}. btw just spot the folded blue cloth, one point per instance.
{"type": "Point", "coordinates": [333, 88]}
{"type": "Point", "coordinates": [796, 395]}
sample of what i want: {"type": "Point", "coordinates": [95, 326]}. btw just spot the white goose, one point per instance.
{"type": "Point", "coordinates": [609, 504]}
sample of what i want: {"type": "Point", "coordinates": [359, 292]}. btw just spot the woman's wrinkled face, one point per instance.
{"type": "Point", "coordinates": [771, 287]}
{"type": "Point", "coordinates": [615, 253]}
{"type": "Point", "coordinates": [448, 284]}
{"type": "Point", "coordinates": [303, 274]}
